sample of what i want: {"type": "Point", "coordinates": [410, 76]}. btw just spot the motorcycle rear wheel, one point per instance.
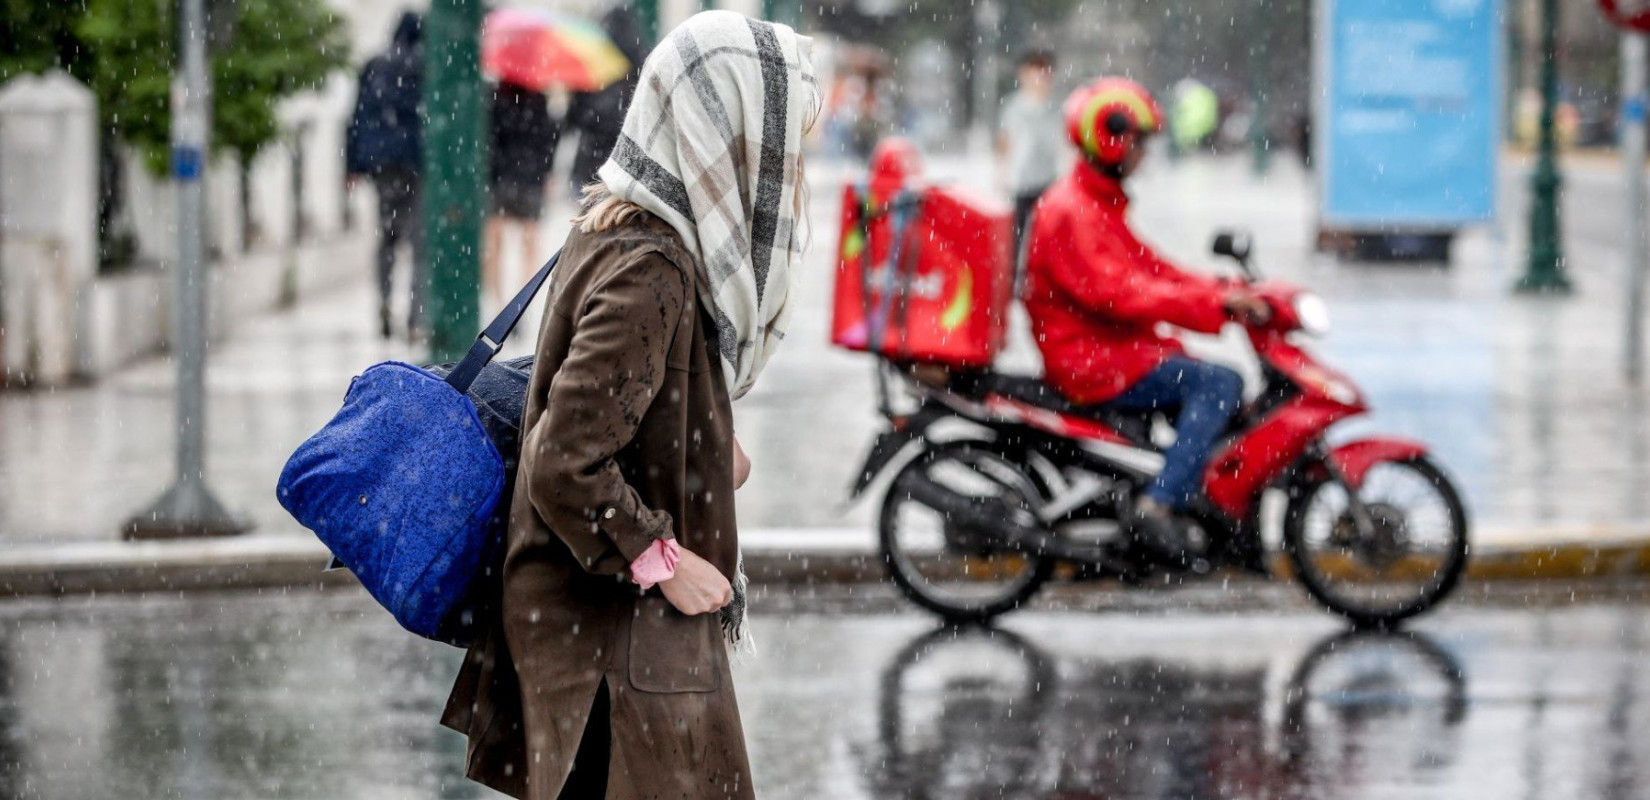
{"type": "Point", "coordinates": [1380, 581]}
{"type": "Point", "coordinates": [963, 576]}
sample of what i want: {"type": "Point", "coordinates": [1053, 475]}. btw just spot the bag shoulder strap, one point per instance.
{"type": "Point", "coordinates": [492, 339]}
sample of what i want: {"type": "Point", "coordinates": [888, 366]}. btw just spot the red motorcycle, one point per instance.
{"type": "Point", "coordinates": [1010, 481]}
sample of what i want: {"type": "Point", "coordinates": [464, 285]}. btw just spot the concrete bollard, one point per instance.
{"type": "Point", "coordinates": [48, 225]}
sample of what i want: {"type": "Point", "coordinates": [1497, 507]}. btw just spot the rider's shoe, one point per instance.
{"type": "Point", "coordinates": [1159, 534]}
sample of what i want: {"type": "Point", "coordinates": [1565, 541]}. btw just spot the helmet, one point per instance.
{"type": "Point", "coordinates": [895, 162]}
{"type": "Point", "coordinates": [1102, 117]}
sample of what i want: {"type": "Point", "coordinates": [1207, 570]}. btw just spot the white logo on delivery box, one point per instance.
{"type": "Point", "coordinates": [930, 286]}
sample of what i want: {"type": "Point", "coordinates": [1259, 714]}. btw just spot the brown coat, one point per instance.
{"type": "Point", "coordinates": [627, 437]}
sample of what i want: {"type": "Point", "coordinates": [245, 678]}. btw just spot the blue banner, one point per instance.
{"type": "Point", "coordinates": [1408, 122]}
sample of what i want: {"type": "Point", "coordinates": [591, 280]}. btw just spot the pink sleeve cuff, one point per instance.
{"type": "Point", "coordinates": [656, 564]}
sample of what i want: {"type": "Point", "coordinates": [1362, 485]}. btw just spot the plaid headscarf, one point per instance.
{"type": "Point", "coordinates": [710, 145]}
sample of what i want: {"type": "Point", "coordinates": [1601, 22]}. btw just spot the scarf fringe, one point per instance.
{"type": "Point", "coordinates": [735, 622]}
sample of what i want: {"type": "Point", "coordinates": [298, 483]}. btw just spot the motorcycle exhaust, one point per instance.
{"type": "Point", "coordinates": [978, 522]}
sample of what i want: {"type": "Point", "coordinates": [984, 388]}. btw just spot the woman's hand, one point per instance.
{"type": "Point", "coordinates": [741, 465]}
{"type": "Point", "coordinates": [697, 587]}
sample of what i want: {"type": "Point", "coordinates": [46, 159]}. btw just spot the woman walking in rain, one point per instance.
{"type": "Point", "coordinates": [524, 138]}
{"type": "Point", "coordinates": [606, 671]}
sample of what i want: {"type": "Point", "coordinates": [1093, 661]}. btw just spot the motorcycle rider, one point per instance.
{"type": "Point", "coordinates": [1097, 295]}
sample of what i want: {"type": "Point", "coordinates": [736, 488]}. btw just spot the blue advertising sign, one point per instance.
{"type": "Point", "coordinates": [1408, 113]}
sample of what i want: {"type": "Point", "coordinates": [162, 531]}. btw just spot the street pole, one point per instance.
{"type": "Point", "coordinates": [786, 12]}
{"type": "Point", "coordinates": [1260, 87]}
{"type": "Point", "coordinates": [647, 17]}
{"type": "Point", "coordinates": [987, 19]}
{"type": "Point", "coordinates": [454, 195]}
{"type": "Point", "coordinates": [188, 508]}
{"type": "Point", "coordinates": [1515, 68]}
{"type": "Point", "coordinates": [1633, 107]}
{"type": "Point", "coordinates": [1545, 270]}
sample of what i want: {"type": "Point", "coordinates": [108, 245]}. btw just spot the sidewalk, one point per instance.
{"type": "Point", "coordinates": [1520, 397]}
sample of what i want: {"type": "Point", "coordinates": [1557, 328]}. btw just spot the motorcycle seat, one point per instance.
{"type": "Point", "coordinates": [1135, 425]}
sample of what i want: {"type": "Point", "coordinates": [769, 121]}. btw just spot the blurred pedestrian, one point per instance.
{"type": "Point", "coordinates": [524, 139]}
{"type": "Point", "coordinates": [1195, 116]}
{"type": "Point", "coordinates": [873, 116]}
{"type": "Point", "coordinates": [1303, 139]}
{"type": "Point", "coordinates": [599, 115]}
{"type": "Point", "coordinates": [385, 143]}
{"type": "Point", "coordinates": [605, 673]}
{"type": "Point", "coordinates": [1028, 140]}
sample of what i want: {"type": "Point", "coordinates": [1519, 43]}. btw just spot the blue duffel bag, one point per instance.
{"type": "Point", "coordinates": [406, 485]}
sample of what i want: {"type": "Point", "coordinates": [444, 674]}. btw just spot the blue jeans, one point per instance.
{"type": "Point", "coordinates": [1207, 396]}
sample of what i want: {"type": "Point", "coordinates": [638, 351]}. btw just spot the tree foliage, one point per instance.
{"type": "Point", "coordinates": [126, 51]}
{"type": "Point", "coordinates": [280, 48]}
{"type": "Point", "coordinates": [36, 36]}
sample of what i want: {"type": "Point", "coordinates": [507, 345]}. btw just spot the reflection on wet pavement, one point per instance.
{"type": "Point", "coordinates": [1359, 709]}
{"type": "Point", "coordinates": [293, 695]}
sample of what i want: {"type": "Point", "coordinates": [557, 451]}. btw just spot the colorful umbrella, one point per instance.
{"type": "Point", "coordinates": [537, 49]}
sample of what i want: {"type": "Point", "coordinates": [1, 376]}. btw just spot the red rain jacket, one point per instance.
{"type": "Point", "coordinates": [1096, 294]}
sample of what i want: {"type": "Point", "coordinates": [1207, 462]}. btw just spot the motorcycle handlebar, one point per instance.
{"type": "Point", "coordinates": [1280, 298]}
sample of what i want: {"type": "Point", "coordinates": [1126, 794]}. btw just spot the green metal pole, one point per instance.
{"type": "Point", "coordinates": [788, 12]}
{"type": "Point", "coordinates": [1260, 128]}
{"type": "Point", "coordinates": [454, 195]}
{"type": "Point", "coordinates": [1515, 68]}
{"type": "Point", "coordinates": [647, 16]}
{"type": "Point", "coordinates": [1545, 271]}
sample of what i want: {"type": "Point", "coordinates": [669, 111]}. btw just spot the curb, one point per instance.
{"type": "Point", "coordinates": [774, 558]}
{"type": "Point", "coordinates": [1575, 561]}
{"type": "Point", "coordinates": [246, 562]}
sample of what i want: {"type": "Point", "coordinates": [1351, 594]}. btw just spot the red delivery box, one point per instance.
{"type": "Point", "coordinates": [924, 276]}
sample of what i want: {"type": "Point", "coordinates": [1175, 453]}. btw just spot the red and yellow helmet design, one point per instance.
{"type": "Point", "coordinates": [895, 162]}
{"type": "Point", "coordinates": [1103, 117]}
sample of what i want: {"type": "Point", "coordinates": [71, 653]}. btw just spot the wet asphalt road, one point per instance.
{"type": "Point", "coordinates": [319, 696]}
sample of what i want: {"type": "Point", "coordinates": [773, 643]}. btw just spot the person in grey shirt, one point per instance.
{"type": "Point", "coordinates": [1029, 139]}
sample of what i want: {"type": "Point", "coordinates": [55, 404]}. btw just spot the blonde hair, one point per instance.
{"type": "Point", "coordinates": [601, 210]}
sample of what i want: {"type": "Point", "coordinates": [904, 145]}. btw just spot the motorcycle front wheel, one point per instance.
{"type": "Point", "coordinates": [951, 560]}
{"type": "Point", "coordinates": [1411, 558]}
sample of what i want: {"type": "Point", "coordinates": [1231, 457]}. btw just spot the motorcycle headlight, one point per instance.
{"type": "Point", "coordinates": [1313, 313]}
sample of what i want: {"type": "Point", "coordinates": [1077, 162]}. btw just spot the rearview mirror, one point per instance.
{"type": "Point", "coordinates": [1232, 244]}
